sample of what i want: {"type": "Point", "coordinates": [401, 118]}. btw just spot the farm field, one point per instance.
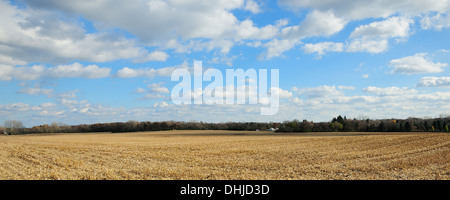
{"type": "Point", "coordinates": [226, 155]}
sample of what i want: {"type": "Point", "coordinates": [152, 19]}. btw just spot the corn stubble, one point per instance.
{"type": "Point", "coordinates": [226, 155]}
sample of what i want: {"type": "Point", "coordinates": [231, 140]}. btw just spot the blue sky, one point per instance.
{"type": "Point", "coordinates": [104, 61]}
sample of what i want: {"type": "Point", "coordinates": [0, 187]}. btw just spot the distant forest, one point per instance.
{"type": "Point", "coordinates": [337, 124]}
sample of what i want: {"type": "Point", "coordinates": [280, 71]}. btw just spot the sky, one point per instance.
{"type": "Point", "coordinates": [98, 61]}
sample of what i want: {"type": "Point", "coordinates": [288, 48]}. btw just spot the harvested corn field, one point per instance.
{"type": "Point", "coordinates": [226, 155]}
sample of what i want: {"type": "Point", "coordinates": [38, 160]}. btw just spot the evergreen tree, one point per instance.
{"type": "Point", "coordinates": [408, 127]}
{"type": "Point", "coordinates": [340, 119]}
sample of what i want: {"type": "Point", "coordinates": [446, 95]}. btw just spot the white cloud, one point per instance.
{"type": "Point", "coordinates": [416, 64]}
{"type": "Point", "coordinates": [247, 30]}
{"type": "Point", "coordinates": [390, 102]}
{"type": "Point", "coordinates": [127, 72]}
{"type": "Point", "coordinates": [434, 82]}
{"type": "Point", "coordinates": [373, 38]}
{"type": "Point", "coordinates": [195, 45]}
{"type": "Point", "coordinates": [189, 19]}
{"type": "Point", "coordinates": [276, 47]}
{"type": "Point", "coordinates": [370, 46]}
{"type": "Point", "coordinates": [43, 36]}
{"type": "Point", "coordinates": [162, 104]}
{"type": "Point", "coordinates": [15, 107]}
{"type": "Point", "coordinates": [21, 73]}
{"type": "Point", "coordinates": [252, 6]}
{"type": "Point", "coordinates": [284, 94]}
{"type": "Point", "coordinates": [178, 22]}
{"type": "Point", "coordinates": [389, 91]}
{"type": "Point", "coordinates": [281, 23]}
{"type": "Point", "coordinates": [153, 56]}
{"type": "Point", "coordinates": [437, 22]}
{"type": "Point", "coordinates": [254, 44]}
{"type": "Point", "coordinates": [6, 72]}
{"type": "Point", "coordinates": [362, 9]}
{"type": "Point", "coordinates": [35, 72]}
{"type": "Point", "coordinates": [318, 92]}
{"type": "Point", "coordinates": [323, 47]}
{"type": "Point", "coordinates": [36, 90]}
{"type": "Point", "coordinates": [389, 28]}
{"type": "Point", "coordinates": [153, 91]}
{"type": "Point", "coordinates": [157, 88]}
{"type": "Point", "coordinates": [330, 17]}
{"type": "Point", "coordinates": [47, 31]}
{"type": "Point", "coordinates": [355, 45]}
{"type": "Point", "coordinates": [315, 24]}
{"type": "Point", "coordinates": [78, 70]}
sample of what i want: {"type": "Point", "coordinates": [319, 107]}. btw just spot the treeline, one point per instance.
{"type": "Point", "coordinates": [135, 126]}
{"type": "Point", "coordinates": [339, 124]}
{"type": "Point", "coordinates": [342, 124]}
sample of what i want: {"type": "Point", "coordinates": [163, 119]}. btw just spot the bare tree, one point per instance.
{"type": "Point", "coordinates": [56, 127]}
{"type": "Point", "coordinates": [14, 127]}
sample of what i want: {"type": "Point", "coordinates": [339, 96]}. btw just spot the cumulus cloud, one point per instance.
{"type": "Point", "coordinates": [153, 56]}
{"type": "Point", "coordinates": [318, 92]}
{"type": "Point", "coordinates": [247, 30]}
{"type": "Point", "coordinates": [162, 104]}
{"type": "Point", "coordinates": [48, 27]}
{"type": "Point", "coordinates": [434, 82]}
{"type": "Point", "coordinates": [276, 47]}
{"type": "Point", "coordinates": [323, 47]}
{"type": "Point", "coordinates": [127, 72]}
{"type": "Point", "coordinates": [42, 36]}
{"type": "Point", "coordinates": [252, 6]}
{"type": "Point", "coordinates": [284, 94]}
{"type": "Point", "coordinates": [36, 90]}
{"type": "Point", "coordinates": [325, 101]}
{"type": "Point", "coordinates": [362, 9]}
{"type": "Point", "coordinates": [419, 63]}
{"type": "Point", "coordinates": [157, 88]}
{"type": "Point", "coordinates": [77, 70]}
{"type": "Point", "coordinates": [315, 24]}
{"type": "Point", "coordinates": [35, 72]}
{"type": "Point", "coordinates": [389, 28]}
{"type": "Point", "coordinates": [153, 91]}
{"type": "Point", "coordinates": [436, 22]}
{"type": "Point", "coordinates": [7, 73]}
{"type": "Point", "coordinates": [373, 38]}
{"type": "Point", "coordinates": [181, 21]}
{"type": "Point", "coordinates": [355, 45]}
{"type": "Point", "coordinates": [371, 46]}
